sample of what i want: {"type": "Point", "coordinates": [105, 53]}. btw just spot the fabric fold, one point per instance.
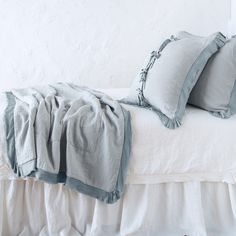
{"type": "Point", "coordinates": [63, 133]}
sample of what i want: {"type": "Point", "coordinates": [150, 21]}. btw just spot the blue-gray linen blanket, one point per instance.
{"type": "Point", "coordinates": [63, 133]}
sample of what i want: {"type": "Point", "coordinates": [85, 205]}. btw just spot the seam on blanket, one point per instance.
{"type": "Point", "coordinates": [10, 130]}
{"type": "Point", "coordinates": [76, 184]}
{"type": "Point", "coordinates": [26, 168]}
{"type": "Point", "coordinates": [124, 163]}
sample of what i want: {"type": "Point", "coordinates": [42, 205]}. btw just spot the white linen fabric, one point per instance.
{"type": "Point", "coordinates": [30, 208]}
{"type": "Point", "coordinates": [202, 149]}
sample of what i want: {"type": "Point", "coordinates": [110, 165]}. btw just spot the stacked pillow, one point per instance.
{"type": "Point", "coordinates": [215, 90]}
{"type": "Point", "coordinates": [166, 82]}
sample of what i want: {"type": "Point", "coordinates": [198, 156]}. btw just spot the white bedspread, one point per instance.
{"type": "Point", "coordinates": [202, 149]}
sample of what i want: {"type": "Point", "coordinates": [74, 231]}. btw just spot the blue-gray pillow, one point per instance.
{"type": "Point", "coordinates": [215, 90]}
{"type": "Point", "coordinates": [165, 83]}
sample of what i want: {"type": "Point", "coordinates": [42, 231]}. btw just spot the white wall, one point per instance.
{"type": "Point", "coordinates": [95, 43]}
{"type": "Point", "coordinates": [232, 22]}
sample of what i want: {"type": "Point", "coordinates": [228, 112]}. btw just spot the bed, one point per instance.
{"type": "Point", "coordinates": [179, 182]}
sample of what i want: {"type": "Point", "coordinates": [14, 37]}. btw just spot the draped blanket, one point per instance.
{"type": "Point", "coordinates": [63, 133]}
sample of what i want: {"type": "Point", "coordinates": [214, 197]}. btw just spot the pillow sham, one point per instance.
{"type": "Point", "coordinates": [215, 91]}
{"type": "Point", "coordinates": [165, 83]}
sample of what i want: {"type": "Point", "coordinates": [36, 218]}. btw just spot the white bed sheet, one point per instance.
{"type": "Point", "coordinates": [202, 149]}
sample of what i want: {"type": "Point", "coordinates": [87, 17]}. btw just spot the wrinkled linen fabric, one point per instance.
{"type": "Point", "coordinates": [168, 209]}
{"type": "Point", "coordinates": [63, 133]}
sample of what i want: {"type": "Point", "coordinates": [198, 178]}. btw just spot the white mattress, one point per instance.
{"type": "Point", "coordinates": [202, 149]}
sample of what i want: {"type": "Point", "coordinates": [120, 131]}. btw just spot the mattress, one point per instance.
{"type": "Point", "coordinates": [202, 149]}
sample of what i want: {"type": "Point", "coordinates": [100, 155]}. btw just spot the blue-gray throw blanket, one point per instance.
{"type": "Point", "coordinates": [63, 133]}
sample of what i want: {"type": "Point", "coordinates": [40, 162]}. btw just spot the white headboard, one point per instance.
{"type": "Point", "coordinates": [95, 43]}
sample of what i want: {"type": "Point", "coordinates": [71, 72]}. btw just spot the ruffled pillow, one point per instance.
{"type": "Point", "coordinates": [215, 90]}
{"type": "Point", "coordinates": [165, 83]}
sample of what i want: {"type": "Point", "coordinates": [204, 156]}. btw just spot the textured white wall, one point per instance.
{"type": "Point", "coordinates": [95, 43]}
{"type": "Point", "coordinates": [232, 22]}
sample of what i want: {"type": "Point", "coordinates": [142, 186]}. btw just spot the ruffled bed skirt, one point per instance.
{"type": "Point", "coordinates": [191, 208]}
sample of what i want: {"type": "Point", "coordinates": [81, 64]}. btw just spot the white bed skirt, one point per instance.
{"type": "Point", "coordinates": [192, 208]}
